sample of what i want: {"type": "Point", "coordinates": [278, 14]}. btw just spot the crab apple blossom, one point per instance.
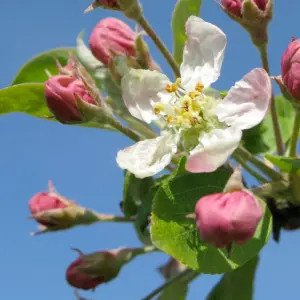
{"type": "Point", "coordinates": [61, 92]}
{"type": "Point", "coordinates": [290, 68]}
{"type": "Point", "coordinates": [224, 218]}
{"type": "Point", "coordinates": [201, 124]}
{"type": "Point", "coordinates": [112, 37]}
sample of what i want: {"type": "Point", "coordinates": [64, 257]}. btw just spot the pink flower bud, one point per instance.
{"type": "Point", "coordinates": [109, 3]}
{"type": "Point", "coordinates": [80, 279]}
{"type": "Point", "coordinates": [60, 93]}
{"type": "Point", "coordinates": [43, 202]}
{"type": "Point", "coordinates": [290, 68]}
{"type": "Point", "coordinates": [233, 6]}
{"type": "Point", "coordinates": [224, 218]}
{"type": "Point", "coordinates": [112, 37]}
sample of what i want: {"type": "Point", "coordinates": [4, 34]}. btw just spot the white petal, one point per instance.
{"type": "Point", "coordinates": [148, 157]}
{"type": "Point", "coordinates": [214, 149]}
{"type": "Point", "coordinates": [247, 103]}
{"type": "Point", "coordinates": [140, 90]}
{"type": "Point", "coordinates": [203, 53]}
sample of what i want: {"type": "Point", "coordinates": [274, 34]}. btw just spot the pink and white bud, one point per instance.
{"type": "Point", "coordinates": [112, 37]}
{"type": "Point", "coordinates": [224, 218]}
{"type": "Point", "coordinates": [61, 92]}
{"type": "Point", "coordinates": [236, 6]}
{"type": "Point", "coordinates": [290, 68]}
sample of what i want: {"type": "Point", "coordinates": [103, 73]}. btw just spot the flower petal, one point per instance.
{"type": "Point", "coordinates": [247, 103]}
{"type": "Point", "coordinates": [140, 90]}
{"type": "Point", "coordinates": [203, 53]}
{"type": "Point", "coordinates": [214, 149]}
{"type": "Point", "coordinates": [148, 157]}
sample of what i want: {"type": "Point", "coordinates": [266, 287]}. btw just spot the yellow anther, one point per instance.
{"type": "Point", "coordinates": [170, 119]}
{"type": "Point", "coordinates": [194, 121]}
{"type": "Point", "coordinates": [171, 88]}
{"type": "Point", "coordinates": [199, 87]}
{"type": "Point", "coordinates": [158, 108]}
{"type": "Point", "coordinates": [194, 94]}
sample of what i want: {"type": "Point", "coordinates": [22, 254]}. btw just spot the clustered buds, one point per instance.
{"type": "Point", "coordinates": [61, 93]}
{"type": "Point", "coordinates": [224, 218]}
{"type": "Point", "coordinates": [290, 69]}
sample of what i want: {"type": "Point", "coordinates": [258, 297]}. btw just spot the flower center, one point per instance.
{"type": "Point", "coordinates": [185, 110]}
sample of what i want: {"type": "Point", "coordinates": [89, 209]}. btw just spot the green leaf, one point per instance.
{"type": "Point", "coordinates": [176, 291]}
{"type": "Point", "coordinates": [260, 139]}
{"type": "Point", "coordinates": [29, 98]}
{"type": "Point", "coordinates": [134, 192]}
{"type": "Point", "coordinates": [34, 70]}
{"type": "Point", "coordinates": [236, 285]}
{"type": "Point", "coordinates": [285, 164]}
{"type": "Point", "coordinates": [176, 235]}
{"type": "Point", "coordinates": [183, 10]}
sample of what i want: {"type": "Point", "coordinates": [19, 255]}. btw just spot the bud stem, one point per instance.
{"type": "Point", "coordinates": [247, 156]}
{"type": "Point", "coordinates": [113, 218]}
{"type": "Point", "coordinates": [248, 168]}
{"type": "Point", "coordinates": [186, 276]}
{"type": "Point", "coordinates": [265, 62]}
{"type": "Point", "coordinates": [295, 135]}
{"type": "Point", "coordinates": [160, 45]}
{"type": "Point", "coordinates": [127, 131]}
{"type": "Point", "coordinates": [270, 188]}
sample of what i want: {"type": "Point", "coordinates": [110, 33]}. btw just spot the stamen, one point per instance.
{"type": "Point", "coordinates": [158, 108]}
{"type": "Point", "coordinates": [199, 87]}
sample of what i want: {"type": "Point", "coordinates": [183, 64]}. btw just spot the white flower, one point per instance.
{"type": "Point", "coordinates": [204, 126]}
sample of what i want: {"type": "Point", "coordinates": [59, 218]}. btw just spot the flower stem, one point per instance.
{"type": "Point", "coordinates": [246, 155]}
{"type": "Point", "coordinates": [113, 218]}
{"type": "Point", "coordinates": [186, 276]}
{"type": "Point", "coordinates": [127, 131]}
{"type": "Point", "coordinates": [249, 169]}
{"type": "Point", "coordinates": [160, 45]}
{"type": "Point", "coordinates": [295, 135]}
{"type": "Point", "coordinates": [265, 62]}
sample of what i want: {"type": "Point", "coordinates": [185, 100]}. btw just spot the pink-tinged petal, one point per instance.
{"type": "Point", "coordinates": [203, 53]}
{"type": "Point", "coordinates": [214, 149]}
{"type": "Point", "coordinates": [148, 157]}
{"type": "Point", "coordinates": [141, 89]}
{"type": "Point", "coordinates": [247, 103]}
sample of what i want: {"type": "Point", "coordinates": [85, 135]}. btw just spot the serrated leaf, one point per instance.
{"type": "Point", "coordinates": [29, 98]}
{"type": "Point", "coordinates": [34, 69]}
{"type": "Point", "coordinates": [176, 235]}
{"type": "Point", "coordinates": [176, 291]}
{"type": "Point", "coordinates": [182, 11]}
{"type": "Point", "coordinates": [236, 285]}
{"type": "Point", "coordinates": [134, 192]}
{"type": "Point", "coordinates": [285, 164]}
{"type": "Point", "coordinates": [260, 139]}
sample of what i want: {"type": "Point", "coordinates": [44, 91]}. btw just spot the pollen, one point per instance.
{"type": "Point", "coordinates": [172, 88]}
{"type": "Point", "coordinates": [194, 94]}
{"type": "Point", "coordinates": [199, 87]}
{"type": "Point", "coordinates": [158, 108]}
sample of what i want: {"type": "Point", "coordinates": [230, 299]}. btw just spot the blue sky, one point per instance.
{"type": "Point", "coordinates": [81, 162]}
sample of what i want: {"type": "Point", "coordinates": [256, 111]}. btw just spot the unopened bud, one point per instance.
{"type": "Point", "coordinates": [61, 92]}
{"type": "Point", "coordinates": [226, 218]}
{"type": "Point", "coordinates": [88, 271]}
{"type": "Point", "coordinates": [112, 37]}
{"type": "Point", "coordinates": [290, 69]}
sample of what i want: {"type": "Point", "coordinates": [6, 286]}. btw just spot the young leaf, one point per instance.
{"type": "Point", "coordinates": [182, 11]}
{"type": "Point", "coordinates": [285, 164]}
{"type": "Point", "coordinates": [134, 192]}
{"type": "Point", "coordinates": [34, 70]}
{"type": "Point", "coordinates": [236, 285]}
{"type": "Point", "coordinates": [175, 234]}
{"type": "Point", "coordinates": [260, 139]}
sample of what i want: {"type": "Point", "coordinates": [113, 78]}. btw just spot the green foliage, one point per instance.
{"type": "Point", "coordinates": [34, 70]}
{"type": "Point", "coordinates": [182, 11]}
{"type": "Point", "coordinates": [236, 285]}
{"type": "Point", "coordinates": [175, 234]}
{"type": "Point", "coordinates": [260, 139]}
{"type": "Point", "coordinates": [134, 192]}
{"type": "Point", "coordinates": [285, 164]}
